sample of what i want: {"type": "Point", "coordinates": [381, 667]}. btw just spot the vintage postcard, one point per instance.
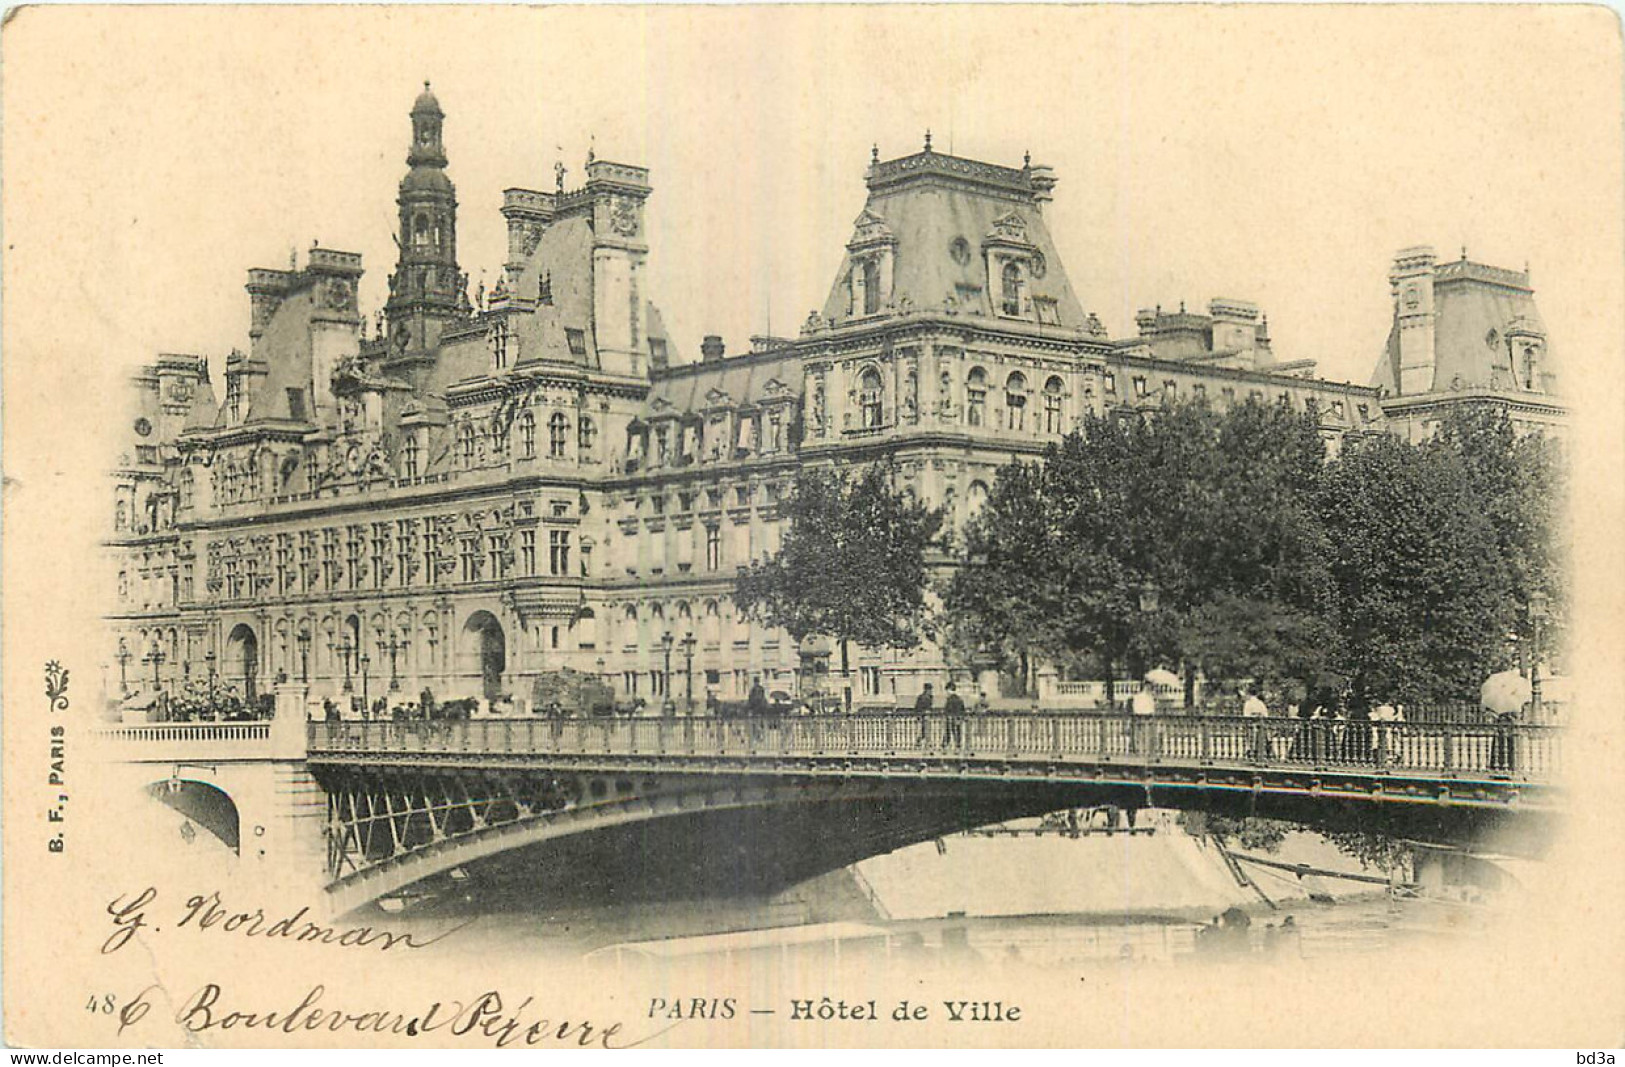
{"type": "Point", "coordinates": [812, 526]}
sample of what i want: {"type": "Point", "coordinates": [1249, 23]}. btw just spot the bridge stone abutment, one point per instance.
{"type": "Point", "coordinates": [246, 783]}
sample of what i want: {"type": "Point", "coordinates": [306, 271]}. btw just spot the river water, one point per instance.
{"type": "Point", "coordinates": [1035, 901]}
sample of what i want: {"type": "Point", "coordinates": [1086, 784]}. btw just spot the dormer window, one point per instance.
{"type": "Point", "coordinates": [1010, 290]}
{"type": "Point", "coordinates": [871, 287]}
{"type": "Point", "coordinates": [1530, 371]}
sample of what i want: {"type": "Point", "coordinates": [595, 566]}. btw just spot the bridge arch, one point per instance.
{"type": "Point", "coordinates": [484, 650]}
{"type": "Point", "coordinates": [207, 805]}
{"type": "Point", "coordinates": [242, 662]}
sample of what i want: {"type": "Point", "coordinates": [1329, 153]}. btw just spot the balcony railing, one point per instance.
{"type": "Point", "coordinates": [1449, 750]}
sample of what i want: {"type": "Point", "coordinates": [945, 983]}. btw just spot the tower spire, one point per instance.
{"type": "Point", "coordinates": [427, 287]}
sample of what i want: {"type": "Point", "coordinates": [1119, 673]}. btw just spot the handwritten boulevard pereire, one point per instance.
{"type": "Point", "coordinates": [487, 1016]}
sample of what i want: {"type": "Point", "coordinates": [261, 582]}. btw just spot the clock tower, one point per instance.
{"type": "Point", "coordinates": [427, 289]}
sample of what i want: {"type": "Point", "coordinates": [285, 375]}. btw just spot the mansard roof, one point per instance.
{"type": "Point", "coordinates": [742, 381]}
{"type": "Point", "coordinates": [1477, 307]}
{"type": "Point", "coordinates": [940, 214]}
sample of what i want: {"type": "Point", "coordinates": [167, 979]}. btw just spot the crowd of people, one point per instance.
{"type": "Point", "coordinates": [195, 703]}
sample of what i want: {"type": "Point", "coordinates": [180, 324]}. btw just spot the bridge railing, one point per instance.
{"type": "Point", "coordinates": [1440, 749]}
{"type": "Point", "coordinates": [186, 732]}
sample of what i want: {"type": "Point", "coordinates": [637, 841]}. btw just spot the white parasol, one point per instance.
{"type": "Point", "coordinates": [1507, 691]}
{"type": "Point", "coordinates": [1162, 677]}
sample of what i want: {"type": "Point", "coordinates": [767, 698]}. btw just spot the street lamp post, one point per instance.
{"type": "Point", "coordinates": [688, 667]}
{"type": "Point", "coordinates": [345, 649]}
{"type": "Point", "coordinates": [366, 707]}
{"type": "Point", "coordinates": [393, 647]}
{"type": "Point", "coordinates": [156, 658]}
{"type": "Point", "coordinates": [1539, 612]}
{"type": "Point", "coordinates": [123, 657]}
{"type": "Point", "coordinates": [666, 642]}
{"type": "Point", "coordinates": [208, 657]}
{"type": "Point", "coordinates": [304, 656]}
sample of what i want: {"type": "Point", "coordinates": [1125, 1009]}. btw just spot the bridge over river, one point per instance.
{"type": "Point", "coordinates": [617, 807]}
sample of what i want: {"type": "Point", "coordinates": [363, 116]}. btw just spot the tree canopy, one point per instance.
{"type": "Point", "coordinates": [852, 563]}
{"type": "Point", "coordinates": [1226, 542]}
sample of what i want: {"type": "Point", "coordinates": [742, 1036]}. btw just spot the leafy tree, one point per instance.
{"type": "Point", "coordinates": [1210, 516]}
{"type": "Point", "coordinates": [851, 566]}
{"type": "Point", "coordinates": [1381, 851]}
{"type": "Point", "coordinates": [1422, 597]}
{"type": "Point", "coordinates": [1254, 834]}
{"type": "Point", "coordinates": [1519, 482]}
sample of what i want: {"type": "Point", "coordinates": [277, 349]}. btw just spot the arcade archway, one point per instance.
{"type": "Point", "coordinates": [485, 650]}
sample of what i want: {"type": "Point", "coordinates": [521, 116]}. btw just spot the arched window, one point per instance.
{"type": "Point", "coordinates": [557, 430]}
{"type": "Point", "coordinates": [976, 396]}
{"type": "Point", "coordinates": [711, 626]}
{"type": "Point", "coordinates": [871, 287]}
{"type": "Point", "coordinates": [874, 410]}
{"type": "Point", "coordinates": [527, 435]}
{"type": "Point", "coordinates": [499, 435]}
{"type": "Point", "coordinates": [1011, 295]}
{"type": "Point", "coordinates": [1015, 400]}
{"type": "Point", "coordinates": [587, 623]}
{"type": "Point", "coordinates": [586, 436]}
{"type": "Point", "coordinates": [410, 456]}
{"type": "Point", "coordinates": [1053, 390]}
{"type": "Point", "coordinates": [251, 477]}
{"type": "Point", "coordinates": [422, 231]}
{"type": "Point", "coordinates": [975, 499]}
{"type": "Point", "coordinates": [465, 441]}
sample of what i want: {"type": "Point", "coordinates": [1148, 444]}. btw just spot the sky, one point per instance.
{"type": "Point", "coordinates": [1277, 155]}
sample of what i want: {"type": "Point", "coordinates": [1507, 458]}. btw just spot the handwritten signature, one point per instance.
{"type": "Point", "coordinates": [209, 912]}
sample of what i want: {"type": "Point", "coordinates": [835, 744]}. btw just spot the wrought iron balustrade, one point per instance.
{"type": "Point", "coordinates": [1437, 749]}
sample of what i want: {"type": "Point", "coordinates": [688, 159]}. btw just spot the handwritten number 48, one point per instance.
{"type": "Point", "coordinates": [130, 1013]}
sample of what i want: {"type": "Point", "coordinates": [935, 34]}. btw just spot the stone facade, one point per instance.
{"type": "Point", "coordinates": [479, 491]}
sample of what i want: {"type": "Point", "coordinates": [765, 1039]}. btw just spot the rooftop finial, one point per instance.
{"type": "Point", "coordinates": [425, 84]}
{"type": "Point", "coordinates": [592, 142]}
{"type": "Point", "coordinates": [1464, 253]}
{"type": "Point", "coordinates": [874, 153]}
{"type": "Point", "coordinates": [928, 140]}
{"type": "Point", "coordinates": [559, 170]}
{"type": "Point", "coordinates": [1026, 160]}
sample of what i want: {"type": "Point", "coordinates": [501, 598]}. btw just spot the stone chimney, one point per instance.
{"type": "Point", "coordinates": [711, 349]}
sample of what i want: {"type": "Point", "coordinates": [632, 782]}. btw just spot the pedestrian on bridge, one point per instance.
{"type": "Point", "coordinates": [954, 709]}
{"type": "Point", "coordinates": [924, 704]}
{"type": "Point", "coordinates": [1254, 709]}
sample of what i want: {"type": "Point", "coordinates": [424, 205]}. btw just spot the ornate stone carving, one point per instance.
{"type": "Point", "coordinates": [1010, 227]}
{"type": "Point", "coordinates": [623, 216]}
